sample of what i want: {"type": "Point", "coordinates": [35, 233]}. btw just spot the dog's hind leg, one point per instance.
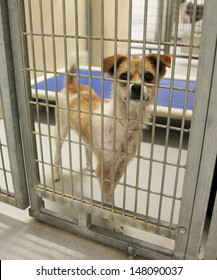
{"type": "Point", "coordinates": [60, 134]}
{"type": "Point", "coordinates": [87, 153]}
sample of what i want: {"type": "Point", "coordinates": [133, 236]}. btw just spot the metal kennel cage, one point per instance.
{"type": "Point", "coordinates": [162, 198]}
{"type": "Point", "coordinates": [184, 31]}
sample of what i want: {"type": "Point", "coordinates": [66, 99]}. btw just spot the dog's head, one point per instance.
{"type": "Point", "coordinates": [134, 91]}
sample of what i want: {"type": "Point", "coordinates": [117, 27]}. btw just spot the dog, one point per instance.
{"type": "Point", "coordinates": [199, 11]}
{"type": "Point", "coordinates": [187, 11]}
{"type": "Point", "coordinates": [122, 117]}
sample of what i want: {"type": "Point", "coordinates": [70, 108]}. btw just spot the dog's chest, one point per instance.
{"type": "Point", "coordinates": [117, 139]}
{"type": "Point", "coordinates": [126, 141]}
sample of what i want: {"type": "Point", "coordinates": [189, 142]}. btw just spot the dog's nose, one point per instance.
{"type": "Point", "coordinates": [135, 92]}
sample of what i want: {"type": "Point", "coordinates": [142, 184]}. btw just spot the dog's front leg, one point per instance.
{"type": "Point", "coordinates": [104, 171]}
{"type": "Point", "coordinates": [108, 184]}
{"type": "Point", "coordinates": [89, 161]}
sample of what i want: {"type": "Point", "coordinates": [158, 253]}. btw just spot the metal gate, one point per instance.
{"type": "Point", "coordinates": [160, 200]}
{"type": "Point", "coordinates": [13, 189]}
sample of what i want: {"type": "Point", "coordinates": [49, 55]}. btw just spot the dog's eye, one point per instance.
{"type": "Point", "coordinates": [148, 77]}
{"type": "Point", "coordinates": [123, 76]}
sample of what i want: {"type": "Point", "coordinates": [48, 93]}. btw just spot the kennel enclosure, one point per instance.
{"type": "Point", "coordinates": [163, 207]}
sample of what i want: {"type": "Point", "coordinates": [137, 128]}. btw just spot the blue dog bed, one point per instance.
{"type": "Point", "coordinates": [163, 101]}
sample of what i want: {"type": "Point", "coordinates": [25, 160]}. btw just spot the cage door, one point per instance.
{"type": "Point", "coordinates": [13, 187]}
{"type": "Point", "coordinates": [202, 145]}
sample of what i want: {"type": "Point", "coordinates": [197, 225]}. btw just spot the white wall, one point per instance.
{"type": "Point", "coordinates": [109, 23]}
{"type": "Point", "coordinates": [58, 30]}
{"type": "Point", "coordinates": [96, 24]}
{"type": "Point", "coordinates": [109, 28]}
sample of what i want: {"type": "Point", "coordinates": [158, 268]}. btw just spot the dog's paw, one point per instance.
{"type": "Point", "coordinates": [115, 226]}
{"type": "Point", "coordinates": [56, 174]}
{"type": "Point", "coordinates": [90, 168]}
{"type": "Point", "coordinates": [56, 178]}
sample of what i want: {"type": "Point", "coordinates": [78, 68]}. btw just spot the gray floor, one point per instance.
{"type": "Point", "coordinates": [22, 237]}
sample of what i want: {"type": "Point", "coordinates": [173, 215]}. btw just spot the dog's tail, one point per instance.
{"type": "Point", "coordinates": [72, 85]}
{"type": "Point", "coordinates": [70, 81]}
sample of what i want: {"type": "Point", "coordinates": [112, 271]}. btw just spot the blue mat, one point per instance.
{"type": "Point", "coordinates": [178, 96]}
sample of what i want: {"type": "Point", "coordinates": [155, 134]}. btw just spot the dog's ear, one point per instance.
{"type": "Point", "coordinates": [165, 61]}
{"type": "Point", "coordinates": [108, 63]}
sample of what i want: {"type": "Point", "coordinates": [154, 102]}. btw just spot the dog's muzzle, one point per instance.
{"type": "Point", "coordinates": [136, 93]}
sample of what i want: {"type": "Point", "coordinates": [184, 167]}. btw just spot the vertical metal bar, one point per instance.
{"type": "Point", "coordinates": [169, 23]}
{"type": "Point", "coordinates": [102, 96]}
{"type": "Point", "coordinates": [207, 56]}
{"type": "Point", "coordinates": [84, 220]}
{"type": "Point", "coordinates": [169, 115]}
{"type": "Point", "coordinates": [155, 107]}
{"type": "Point", "coordinates": [1, 109]}
{"type": "Point", "coordinates": [4, 187]}
{"type": "Point", "coordinates": [67, 94]}
{"type": "Point", "coordinates": [46, 90]}
{"type": "Point", "coordinates": [11, 117]}
{"type": "Point", "coordinates": [20, 58]}
{"type": "Point", "coordinates": [23, 93]}
{"type": "Point", "coordinates": [78, 96]}
{"type": "Point", "coordinates": [141, 102]}
{"type": "Point", "coordinates": [4, 170]}
{"type": "Point", "coordinates": [114, 115]}
{"type": "Point", "coordinates": [126, 121]}
{"type": "Point", "coordinates": [36, 90]}
{"type": "Point", "coordinates": [205, 175]}
{"type": "Point", "coordinates": [89, 49]}
{"type": "Point", "coordinates": [185, 104]}
{"type": "Point", "coordinates": [159, 39]}
{"type": "Point", "coordinates": [55, 86]}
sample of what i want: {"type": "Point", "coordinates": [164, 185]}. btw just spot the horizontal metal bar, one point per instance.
{"type": "Point", "coordinates": [111, 80]}
{"type": "Point", "coordinates": [38, 161]}
{"type": "Point", "coordinates": [5, 170]}
{"type": "Point", "coordinates": [104, 236]}
{"type": "Point", "coordinates": [9, 199]}
{"type": "Point", "coordinates": [104, 212]}
{"type": "Point", "coordinates": [107, 39]}
{"type": "Point", "coordinates": [128, 154]}
{"type": "Point", "coordinates": [3, 145]}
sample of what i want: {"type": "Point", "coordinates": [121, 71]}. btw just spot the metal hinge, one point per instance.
{"type": "Point", "coordinates": [131, 252]}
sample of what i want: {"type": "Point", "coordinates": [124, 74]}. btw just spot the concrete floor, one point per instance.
{"type": "Point", "coordinates": [22, 237]}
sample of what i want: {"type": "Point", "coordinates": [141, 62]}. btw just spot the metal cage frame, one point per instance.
{"type": "Point", "coordinates": [18, 116]}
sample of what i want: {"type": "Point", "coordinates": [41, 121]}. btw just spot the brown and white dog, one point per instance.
{"type": "Point", "coordinates": [121, 121]}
